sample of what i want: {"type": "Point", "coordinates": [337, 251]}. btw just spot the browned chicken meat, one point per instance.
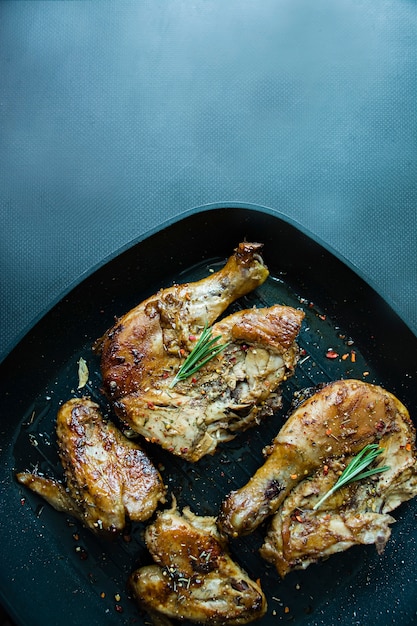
{"type": "Point", "coordinates": [304, 461]}
{"type": "Point", "coordinates": [143, 352]}
{"type": "Point", "coordinates": [356, 514]}
{"type": "Point", "coordinates": [193, 576]}
{"type": "Point", "coordinates": [109, 479]}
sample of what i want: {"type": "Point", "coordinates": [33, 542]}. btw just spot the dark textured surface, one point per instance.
{"type": "Point", "coordinates": [115, 116]}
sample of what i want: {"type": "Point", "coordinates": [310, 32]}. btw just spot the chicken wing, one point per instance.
{"type": "Point", "coordinates": [142, 353]}
{"type": "Point", "coordinates": [194, 577]}
{"type": "Point", "coordinates": [334, 423]}
{"type": "Point", "coordinates": [108, 477]}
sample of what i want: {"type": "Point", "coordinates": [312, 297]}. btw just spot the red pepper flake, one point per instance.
{"type": "Point", "coordinates": [182, 351]}
{"type": "Point", "coordinates": [151, 405]}
{"type": "Point", "coordinates": [165, 374]}
{"type": "Point", "coordinates": [325, 470]}
{"type": "Point", "coordinates": [193, 380]}
{"type": "Point", "coordinates": [293, 476]}
{"type": "Point", "coordinates": [353, 356]}
{"type": "Point", "coordinates": [22, 501]}
{"type": "Point", "coordinates": [192, 337]}
{"type": "Point", "coordinates": [323, 317]}
{"type": "Point", "coordinates": [244, 347]}
{"type": "Point", "coordinates": [299, 519]}
{"type": "Point", "coordinates": [331, 354]}
{"type": "Point", "coordinates": [329, 431]}
{"type": "Point", "coordinates": [380, 426]}
{"type": "Point", "coordinates": [365, 373]}
{"type": "Point", "coordinates": [118, 608]}
{"type": "Point", "coordinates": [408, 447]}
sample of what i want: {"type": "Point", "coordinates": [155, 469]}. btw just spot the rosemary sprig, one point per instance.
{"type": "Point", "coordinates": [355, 470]}
{"type": "Point", "coordinates": [204, 350]}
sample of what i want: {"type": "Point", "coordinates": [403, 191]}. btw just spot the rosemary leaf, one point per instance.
{"type": "Point", "coordinates": [355, 470]}
{"type": "Point", "coordinates": [204, 350]}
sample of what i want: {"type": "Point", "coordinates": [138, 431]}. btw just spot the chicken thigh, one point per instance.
{"type": "Point", "coordinates": [193, 576]}
{"type": "Point", "coordinates": [327, 429]}
{"type": "Point", "coordinates": [143, 352]}
{"type": "Point", "coordinates": [109, 479]}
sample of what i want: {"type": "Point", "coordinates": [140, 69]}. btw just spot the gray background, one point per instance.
{"type": "Point", "coordinates": [115, 116]}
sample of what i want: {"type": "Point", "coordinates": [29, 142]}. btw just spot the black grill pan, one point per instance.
{"type": "Point", "coordinates": [52, 571]}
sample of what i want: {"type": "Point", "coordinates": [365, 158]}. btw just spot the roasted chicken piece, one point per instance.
{"type": "Point", "coordinates": [327, 429]}
{"type": "Point", "coordinates": [109, 479]}
{"type": "Point", "coordinates": [142, 353]}
{"type": "Point", "coordinates": [194, 577]}
{"type": "Point", "coordinates": [355, 514]}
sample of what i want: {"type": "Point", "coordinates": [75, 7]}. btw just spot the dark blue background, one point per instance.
{"type": "Point", "coordinates": [118, 115]}
{"type": "Point", "coordinates": [115, 116]}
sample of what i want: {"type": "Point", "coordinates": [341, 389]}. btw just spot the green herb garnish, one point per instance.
{"type": "Point", "coordinates": [354, 471]}
{"type": "Point", "coordinates": [204, 350]}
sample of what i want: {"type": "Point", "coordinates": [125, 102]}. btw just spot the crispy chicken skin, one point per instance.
{"type": "Point", "coordinates": [356, 514]}
{"type": "Point", "coordinates": [109, 479]}
{"type": "Point", "coordinates": [193, 576]}
{"type": "Point", "coordinates": [142, 353]}
{"type": "Point", "coordinates": [328, 428]}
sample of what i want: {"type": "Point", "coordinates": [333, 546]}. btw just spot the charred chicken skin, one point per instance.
{"type": "Point", "coordinates": [193, 576]}
{"type": "Point", "coordinates": [108, 478]}
{"type": "Point", "coordinates": [310, 451]}
{"type": "Point", "coordinates": [142, 353]}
